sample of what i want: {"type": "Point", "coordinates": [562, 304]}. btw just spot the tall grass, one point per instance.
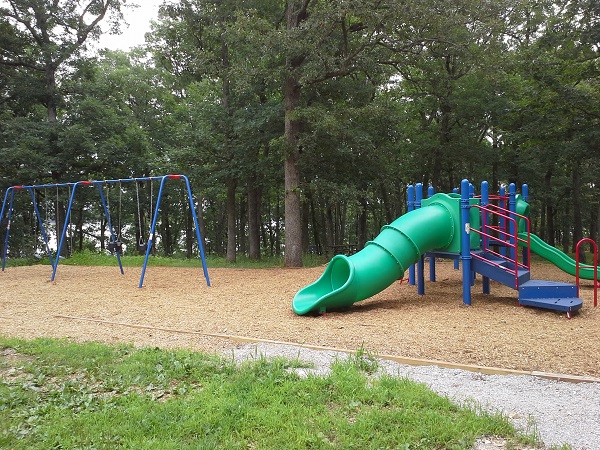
{"type": "Point", "coordinates": [58, 394]}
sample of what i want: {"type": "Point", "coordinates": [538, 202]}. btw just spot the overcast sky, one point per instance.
{"type": "Point", "coordinates": [139, 24]}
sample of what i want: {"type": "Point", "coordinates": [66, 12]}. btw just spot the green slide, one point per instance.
{"type": "Point", "coordinates": [556, 257]}
{"type": "Point", "coordinates": [349, 279]}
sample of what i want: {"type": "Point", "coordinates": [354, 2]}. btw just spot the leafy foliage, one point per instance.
{"type": "Point", "coordinates": [388, 95]}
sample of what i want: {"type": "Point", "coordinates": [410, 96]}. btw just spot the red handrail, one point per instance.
{"type": "Point", "coordinates": [577, 264]}
{"type": "Point", "coordinates": [510, 240]}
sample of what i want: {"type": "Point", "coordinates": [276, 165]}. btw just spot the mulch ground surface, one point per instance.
{"type": "Point", "coordinates": [176, 309]}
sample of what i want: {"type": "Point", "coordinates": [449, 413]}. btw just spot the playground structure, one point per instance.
{"type": "Point", "coordinates": [115, 246]}
{"type": "Point", "coordinates": [488, 234]}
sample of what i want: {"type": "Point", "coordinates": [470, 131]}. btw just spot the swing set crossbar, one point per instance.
{"type": "Point", "coordinates": [7, 206]}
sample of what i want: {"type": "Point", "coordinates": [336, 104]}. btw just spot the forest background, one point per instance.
{"type": "Point", "coordinates": [300, 123]}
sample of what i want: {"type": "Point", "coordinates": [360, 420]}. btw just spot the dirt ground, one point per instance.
{"type": "Point", "coordinates": [97, 303]}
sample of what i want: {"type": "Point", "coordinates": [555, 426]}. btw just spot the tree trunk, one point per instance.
{"type": "Point", "coordinates": [576, 201]}
{"type": "Point", "coordinates": [278, 227]}
{"type": "Point", "coordinates": [102, 233]}
{"type": "Point", "coordinates": [51, 106]}
{"type": "Point", "coordinates": [189, 231]}
{"type": "Point", "coordinates": [167, 237]}
{"type": "Point", "coordinates": [253, 219]}
{"type": "Point", "coordinates": [201, 225]}
{"type": "Point", "coordinates": [594, 219]}
{"type": "Point", "coordinates": [566, 228]}
{"type": "Point", "coordinates": [242, 219]}
{"type": "Point", "coordinates": [362, 224]}
{"type": "Point", "coordinates": [231, 220]}
{"type": "Point", "coordinates": [305, 219]}
{"type": "Point", "coordinates": [295, 14]}
{"type": "Point", "coordinates": [316, 226]}
{"type": "Point", "coordinates": [293, 219]}
{"type": "Point", "coordinates": [550, 212]}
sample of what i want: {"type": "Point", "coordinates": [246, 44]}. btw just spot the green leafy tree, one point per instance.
{"type": "Point", "coordinates": [205, 44]}
{"type": "Point", "coordinates": [54, 33]}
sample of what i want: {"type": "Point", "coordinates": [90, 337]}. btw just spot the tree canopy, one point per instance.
{"type": "Point", "coordinates": [300, 123]}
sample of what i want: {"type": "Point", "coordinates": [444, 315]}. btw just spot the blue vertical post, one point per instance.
{"type": "Point", "coordinates": [8, 220]}
{"type": "Point", "coordinates": [465, 253]}
{"type": "Point", "coordinates": [197, 226]}
{"type": "Point", "coordinates": [4, 202]}
{"type": "Point", "coordinates": [113, 238]}
{"type": "Point", "coordinates": [410, 190]}
{"type": "Point", "coordinates": [485, 199]}
{"type": "Point", "coordinates": [41, 223]}
{"type": "Point", "coordinates": [421, 261]}
{"type": "Point", "coordinates": [430, 192]}
{"type": "Point", "coordinates": [471, 195]}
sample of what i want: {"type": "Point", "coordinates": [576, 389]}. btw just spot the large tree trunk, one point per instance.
{"type": "Point", "coordinates": [293, 219]}
{"type": "Point", "coordinates": [253, 219]}
{"type": "Point", "coordinates": [242, 223]}
{"type": "Point", "coordinates": [295, 15]}
{"type": "Point", "coordinates": [51, 107]}
{"type": "Point", "coordinates": [231, 221]}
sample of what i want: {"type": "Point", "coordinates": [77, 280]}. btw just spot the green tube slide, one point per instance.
{"type": "Point", "coordinates": [558, 258]}
{"type": "Point", "coordinates": [349, 279]}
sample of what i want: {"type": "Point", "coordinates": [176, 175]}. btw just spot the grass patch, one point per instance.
{"type": "Point", "coordinates": [58, 394]}
{"type": "Point", "coordinates": [88, 258]}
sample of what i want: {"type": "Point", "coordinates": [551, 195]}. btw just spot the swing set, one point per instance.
{"type": "Point", "coordinates": [115, 245]}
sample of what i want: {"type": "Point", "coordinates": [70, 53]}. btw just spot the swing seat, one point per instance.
{"type": "Point", "coordinates": [115, 247]}
{"type": "Point", "coordinates": [142, 248]}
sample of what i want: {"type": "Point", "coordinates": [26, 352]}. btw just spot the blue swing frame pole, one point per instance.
{"type": "Point", "coordinates": [197, 227]}
{"type": "Point", "coordinates": [9, 217]}
{"type": "Point", "coordinates": [7, 206]}
{"type": "Point", "coordinates": [155, 217]}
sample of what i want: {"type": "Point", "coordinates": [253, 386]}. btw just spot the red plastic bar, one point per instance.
{"type": "Point", "coordinates": [503, 235]}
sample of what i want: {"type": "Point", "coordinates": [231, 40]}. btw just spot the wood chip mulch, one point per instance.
{"type": "Point", "coordinates": [176, 309]}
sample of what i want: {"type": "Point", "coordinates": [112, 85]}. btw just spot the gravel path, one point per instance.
{"type": "Point", "coordinates": [559, 412]}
